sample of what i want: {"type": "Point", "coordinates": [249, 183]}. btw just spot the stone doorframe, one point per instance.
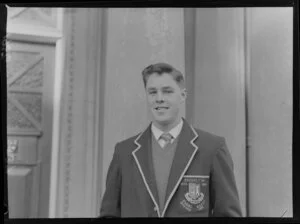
{"type": "Point", "coordinates": [76, 164]}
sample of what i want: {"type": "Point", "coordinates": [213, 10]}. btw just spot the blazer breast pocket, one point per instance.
{"type": "Point", "coordinates": [194, 195]}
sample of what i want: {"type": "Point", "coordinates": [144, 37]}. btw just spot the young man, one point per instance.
{"type": "Point", "coordinates": [171, 169]}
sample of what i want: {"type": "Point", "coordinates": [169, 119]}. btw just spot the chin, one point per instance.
{"type": "Point", "coordinates": [163, 122]}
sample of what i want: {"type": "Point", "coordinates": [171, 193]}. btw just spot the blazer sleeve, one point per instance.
{"type": "Point", "coordinates": [225, 199]}
{"type": "Point", "coordinates": [111, 202]}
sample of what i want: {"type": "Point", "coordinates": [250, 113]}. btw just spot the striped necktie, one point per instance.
{"type": "Point", "coordinates": [165, 139]}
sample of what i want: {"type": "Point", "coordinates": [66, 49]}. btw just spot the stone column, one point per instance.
{"type": "Point", "coordinates": [78, 166]}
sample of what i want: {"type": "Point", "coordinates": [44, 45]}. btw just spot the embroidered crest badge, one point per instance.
{"type": "Point", "coordinates": [194, 190]}
{"type": "Point", "coordinates": [194, 195]}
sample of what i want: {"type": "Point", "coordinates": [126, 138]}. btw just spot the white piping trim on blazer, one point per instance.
{"type": "Point", "coordinates": [183, 172]}
{"type": "Point", "coordinates": [196, 176]}
{"type": "Point", "coordinates": [144, 179]}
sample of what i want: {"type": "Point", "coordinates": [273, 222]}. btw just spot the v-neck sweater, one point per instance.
{"type": "Point", "coordinates": [162, 161]}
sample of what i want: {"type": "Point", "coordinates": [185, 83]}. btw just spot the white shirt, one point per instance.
{"type": "Point", "coordinates": [174, 132]}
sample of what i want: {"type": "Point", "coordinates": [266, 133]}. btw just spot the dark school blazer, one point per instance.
{"type": "Point", "coordinates": [201, 181]}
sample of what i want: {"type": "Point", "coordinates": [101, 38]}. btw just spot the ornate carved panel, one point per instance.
{"type": "Point", "coordinates": [17, 61]}
{"type": "Point", "coordinates": [44, 17]}
{"type": "Point", "coordinates": [25, 82]}
{"type": "Point", "coordinates": [32, 102]}
{"type": "Point", "coordinates": [31, 78]}
{"type": "Point", "coordinates": [16, 119]}
{"type": "Point", "coordinates": [32, 35]}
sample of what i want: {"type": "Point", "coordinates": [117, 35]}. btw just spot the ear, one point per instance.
{"type": "Point", "coordinates": [183, 94]}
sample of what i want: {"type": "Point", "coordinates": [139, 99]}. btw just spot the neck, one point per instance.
{"type": "Point", "coordinates": [168, 126]}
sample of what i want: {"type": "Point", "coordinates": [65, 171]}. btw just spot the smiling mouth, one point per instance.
{"type": "Point", "coordinates": [161, 108]}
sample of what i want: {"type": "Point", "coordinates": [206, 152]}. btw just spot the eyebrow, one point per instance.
{"type": "Point", "coordinates": [163, 88]}
{"type": "Point", "coordinates": [151, 89]}
{"type": "Point", "coordinates": [167, 87]}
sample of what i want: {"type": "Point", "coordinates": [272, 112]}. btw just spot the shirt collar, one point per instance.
{"type": "Point", "coordinates": [174, 131]}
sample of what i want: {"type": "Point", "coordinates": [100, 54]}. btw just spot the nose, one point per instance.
{"type": "Point", "coordinates": [159, 97]}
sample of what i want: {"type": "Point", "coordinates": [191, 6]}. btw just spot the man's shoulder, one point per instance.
{"type": "Point", "coordinates": [208, 138]}
{"type": "Point", "coordinates": [208, 143]}
{"type": "Point", "coordinates": [208, 135]}
{"type": "Point", "coordinates": [128, 145]}
{"type": "Point", "coordinates": [130, 140]}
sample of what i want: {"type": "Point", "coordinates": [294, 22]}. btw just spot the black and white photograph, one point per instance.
{"type": "Point", "coordinates": [149, 112]}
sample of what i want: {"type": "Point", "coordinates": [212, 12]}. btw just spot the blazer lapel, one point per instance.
{"type": "Point", "coordinates": [143, 158]}
{"type": "Point", "coordinates": [185, 152]}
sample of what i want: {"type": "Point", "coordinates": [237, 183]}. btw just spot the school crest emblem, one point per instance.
{"type": "Point", "coordinates": [194, 190]}
{"type": "Point", "coordinates": [194, 195]}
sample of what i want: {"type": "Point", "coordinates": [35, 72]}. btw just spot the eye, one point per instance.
{"type": "Point", "coordinates": [152, 92]}
{"type": "Point", "coordinates": [168, 91]}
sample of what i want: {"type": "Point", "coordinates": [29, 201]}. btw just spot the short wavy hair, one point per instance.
{"type": "Point", "coordinates": [161, 68]}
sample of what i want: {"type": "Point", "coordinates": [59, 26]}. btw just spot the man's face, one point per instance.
{"type": "Point", "coordinates": [164, 98]}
